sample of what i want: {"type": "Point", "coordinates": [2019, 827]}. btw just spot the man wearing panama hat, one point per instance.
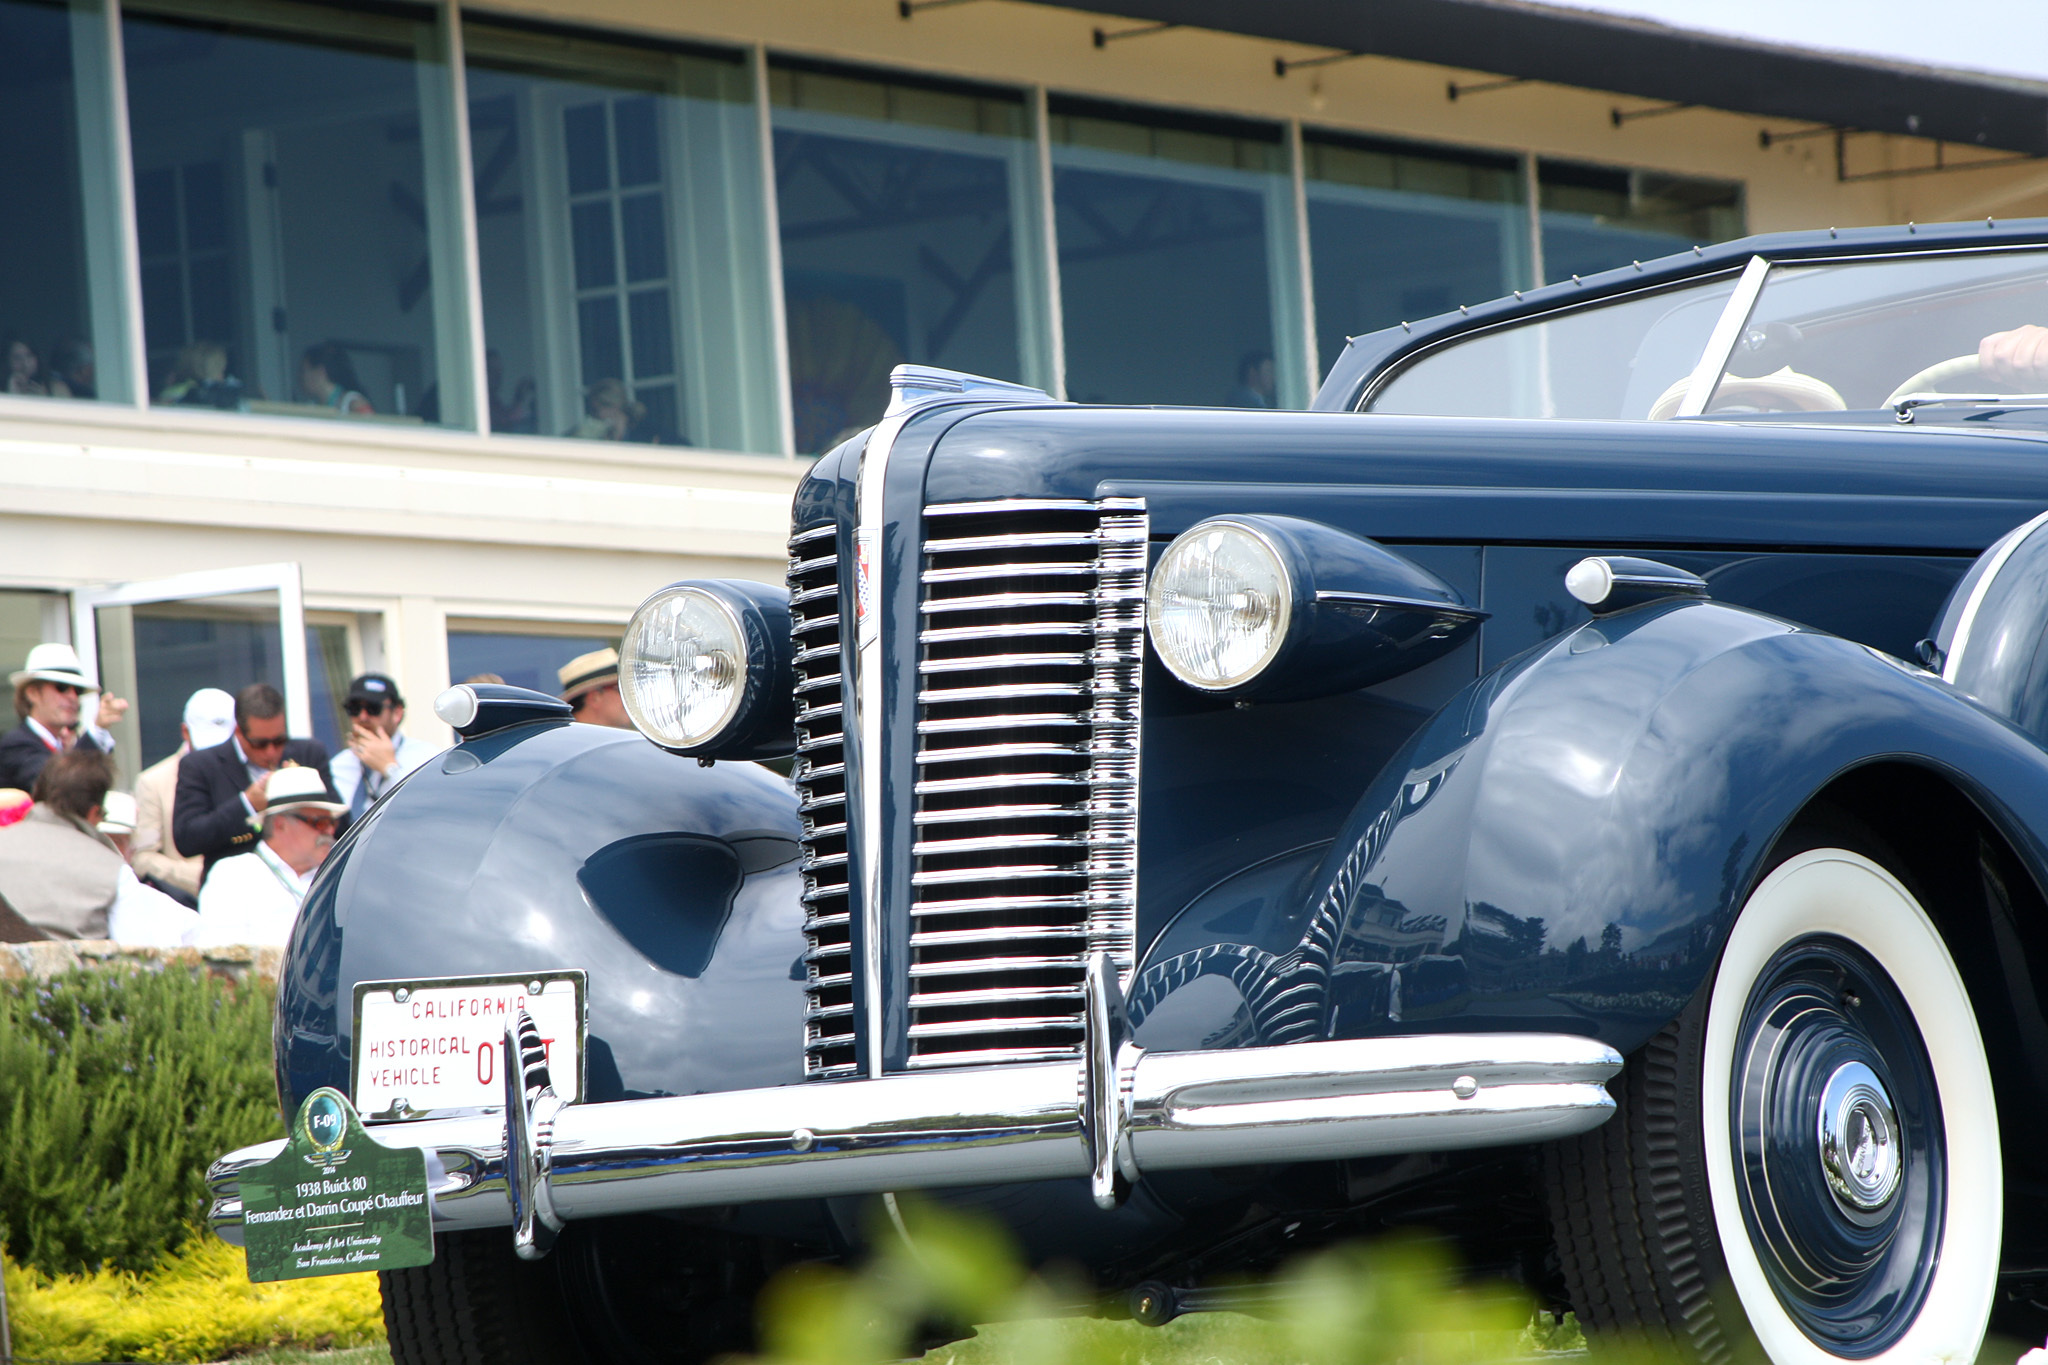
{"type": "Point", "coordinates": [590, 684]}
{"type": "Point", "coordinates": [48, 692]}
{"type": "Point", "coordinates": [254, 899]}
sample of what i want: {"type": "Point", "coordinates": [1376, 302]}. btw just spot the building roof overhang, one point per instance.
{"type": "Point", "coordinates": [1642, 58]}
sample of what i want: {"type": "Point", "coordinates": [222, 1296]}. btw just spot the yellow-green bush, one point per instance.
{"type": "Point", "coordinates": [117, 1088]}
{"type": "Point", "coordinates": [196, 1305]}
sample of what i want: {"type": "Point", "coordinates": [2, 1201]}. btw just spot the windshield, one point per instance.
{"type": "Point", "coordinates": [1856, 335]}
{"type": "Point", "coordinates": [1614, 360]}
{"type": "Point", "coordinates": [1865, 334]}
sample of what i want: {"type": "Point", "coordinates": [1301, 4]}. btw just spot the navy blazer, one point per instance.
{"type": "Point", "coordinates": [23, 754]}
{"type": "Point", "coordinates": [207, 816]}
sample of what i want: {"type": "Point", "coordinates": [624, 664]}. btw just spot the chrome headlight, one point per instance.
{"type": "Point", "coordinates": [1281, 609]}
{"type": "Point", "coordinates": [705, 669]}
{"type": "Point", "coordinates": [1219, 605]}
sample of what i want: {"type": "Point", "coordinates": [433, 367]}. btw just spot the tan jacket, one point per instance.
{"type": "Point", "coordinates": [150, 850]}
{"type": "Point", "coordinates": [59, 874]}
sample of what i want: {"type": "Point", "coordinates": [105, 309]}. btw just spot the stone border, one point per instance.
{"type": "Point", "coordinates": [53, 957]}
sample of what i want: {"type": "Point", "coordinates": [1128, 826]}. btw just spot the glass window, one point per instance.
{"type": "Point", "coordinates": [1399, 232]}
{"type": "Point", "coordinates": [289, 201]}
{"type": "Point", "coordinates": [1864, 334]}
{"type": "Point", "coordinates": [519, 658]}
{"type": "Point", "coordinates": [620, 241]}
{"type": "Point", "coordinates": [47, 295]}
{"type": "Point", "coordinates": [1178, 281]}
{"type": "Point", "coordinates": [1596, 218]}
{"type": "Point", "coordinates": [908, 234]}
{"type": "Point", "coordinates": [1629, 358]}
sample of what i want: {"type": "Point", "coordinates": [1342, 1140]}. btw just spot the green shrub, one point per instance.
{"type": "Point", "coordinates": [117, 1088]}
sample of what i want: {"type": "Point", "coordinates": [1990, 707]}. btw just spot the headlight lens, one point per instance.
{"type": "Point", "coordinates": [683, 667]}
{"type": "Point", "coordinates": [1219, 605]}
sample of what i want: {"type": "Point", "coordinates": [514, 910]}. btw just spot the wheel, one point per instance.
{"type": "Point", "coordinates": [626, 1291]}
{"type": "Point", "coordinates": [1804, 1166]}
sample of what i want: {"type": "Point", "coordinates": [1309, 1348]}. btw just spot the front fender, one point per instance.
{"type": "Point", "coordinates": [559, 845]}
{"type": "Point", "coordinates": [1564, 845]}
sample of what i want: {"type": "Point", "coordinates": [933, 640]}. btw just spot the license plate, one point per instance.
{"type": "Point", "coordinates": [425, 1048]}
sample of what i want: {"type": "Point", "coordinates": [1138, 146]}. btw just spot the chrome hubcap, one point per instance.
{"type": "Point", "coordinates": [1858, 1134]}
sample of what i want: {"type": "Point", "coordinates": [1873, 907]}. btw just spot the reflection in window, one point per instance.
{"type": "Point", "coordinates": [1399, 232]}
{"type": "Point", "coordinates": [619, 235]}
{"type": "Point", "coordinates": [289, 191]}
{"type": "Point", "coordinates": [906, 212]}
{"type": "Point", "coordinates": [523, 660]}
{"type": "Point", "coordinates": [46, 311]}
{"type": "Point", "coordinates": [1177, 274]}
{"type": "Point", "coordinates": [1596, 218]}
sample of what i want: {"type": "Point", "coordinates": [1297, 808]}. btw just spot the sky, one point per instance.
{"type": "Point", "coordinates": [2005, 37]}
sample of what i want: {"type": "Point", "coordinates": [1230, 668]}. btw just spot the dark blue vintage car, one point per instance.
{"type": "Point", "coordinates": [1581, 790]}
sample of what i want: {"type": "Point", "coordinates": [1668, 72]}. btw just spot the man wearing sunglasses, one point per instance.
{"type": "Point", "coordinates": [377, 754]}
{"type": "Point", "coordinates": [49, 697]}
{"type": "Point", "coordinates": [254, 899]}
{"type": "Point", "coordinates": [221, 791]}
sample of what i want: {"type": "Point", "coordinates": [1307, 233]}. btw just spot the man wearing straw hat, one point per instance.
{"type": "Point", "coordinates": [590, 684]}
{"type": "Point", "coordinates": [254, 899]}
{"type": "Point", "coordinates": [48, 694]}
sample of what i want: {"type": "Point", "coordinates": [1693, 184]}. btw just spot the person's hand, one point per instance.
{"type": "Point", "coordinates": [374, 748]}
{"type": "Point", "coordinates": [2018, 357]}
{"type": "Point", "coordinates": [257, 797]}
{"type": "Point", "coordinates": [112, 708]}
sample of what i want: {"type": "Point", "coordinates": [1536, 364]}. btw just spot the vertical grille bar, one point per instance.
{"type": "Point", "coordinates": [1029, 661]}
{"type": "Point", "coordinates": [819, 772]}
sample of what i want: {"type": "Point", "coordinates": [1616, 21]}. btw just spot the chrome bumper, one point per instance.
{"type": "Point", "coordinates": [1110, 1118]}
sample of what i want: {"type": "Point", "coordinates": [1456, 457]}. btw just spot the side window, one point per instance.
{"type": "Point", "coordinates": [1628, 358]}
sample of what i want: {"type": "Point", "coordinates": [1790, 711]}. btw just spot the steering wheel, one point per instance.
{"type": "Point", "coordinates": [1784, 390]}
{"type": "Point", "coordinates": [1937, 377]}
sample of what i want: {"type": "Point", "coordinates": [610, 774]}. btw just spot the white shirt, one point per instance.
{"type": "Point", "coordinates": [347, 769]}
{"type": "Point", "coordinates": [99, 734]}
{"type": "Point", "coordinates": [144, 916]}
{"type": "Point", "coordinates": [251, 899]}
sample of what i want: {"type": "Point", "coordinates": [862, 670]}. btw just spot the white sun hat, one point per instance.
{"type": "Point", "coordinates": [52, 663]}
{"type": "Point", "coordinates": [298, 788]}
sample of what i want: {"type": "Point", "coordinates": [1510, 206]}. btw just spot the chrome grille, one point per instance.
{"type": "Point", "coordinates": [1030, 653]}
{"type": "Point", "coordinates": [820, 775]}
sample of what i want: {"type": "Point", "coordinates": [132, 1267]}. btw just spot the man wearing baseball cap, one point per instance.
{"type": "Point", "coordinates": [48, 691]}
{"type": "Point", "coordinates": [590, 684]}
{"type": "Point", "coordinates": [254, 899]}
{"type": "Point", "coordinates": [377, 754]}
{"type": "Point", "coordinates": [209, 720]}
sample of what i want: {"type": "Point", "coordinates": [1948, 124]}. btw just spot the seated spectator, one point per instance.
{"type": "Point", "coordinates": [610, 414]}
{"type": "Point", "coordinates": [24, 372]}
{"type": "Point", "coordinates": [200, 379]}
{"type": "Point", "coordinates": [518, 416]}
{"type": "Point", "coordinates": [156, 858]}
{"type": "Point", "coordinates": [220, 791]}
{"type": "Point", "coordinates": [72, 373]}
{"type": "Point", "coordinates": [328, 377]}
{"type": "Point", "coordinates": [253, 900]}
{"type": "Point", "coordinates": [65, 878]}
{"type": "Point", "coordinates": [49, 694]}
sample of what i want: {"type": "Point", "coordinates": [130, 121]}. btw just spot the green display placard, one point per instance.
{"type": "Point", "coordinates": [335, 1201]}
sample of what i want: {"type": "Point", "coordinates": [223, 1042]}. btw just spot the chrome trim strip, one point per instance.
{"type": "Point", "coordinates": [1713, 361]}
{"type": "Point", "coordinates": [1951, 666]}
{"type": "Point", "coordinates": [1041, 1120]}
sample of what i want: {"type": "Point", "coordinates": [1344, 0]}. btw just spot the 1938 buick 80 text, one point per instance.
{"type": "Point", "coordinates": [1581, 789]}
